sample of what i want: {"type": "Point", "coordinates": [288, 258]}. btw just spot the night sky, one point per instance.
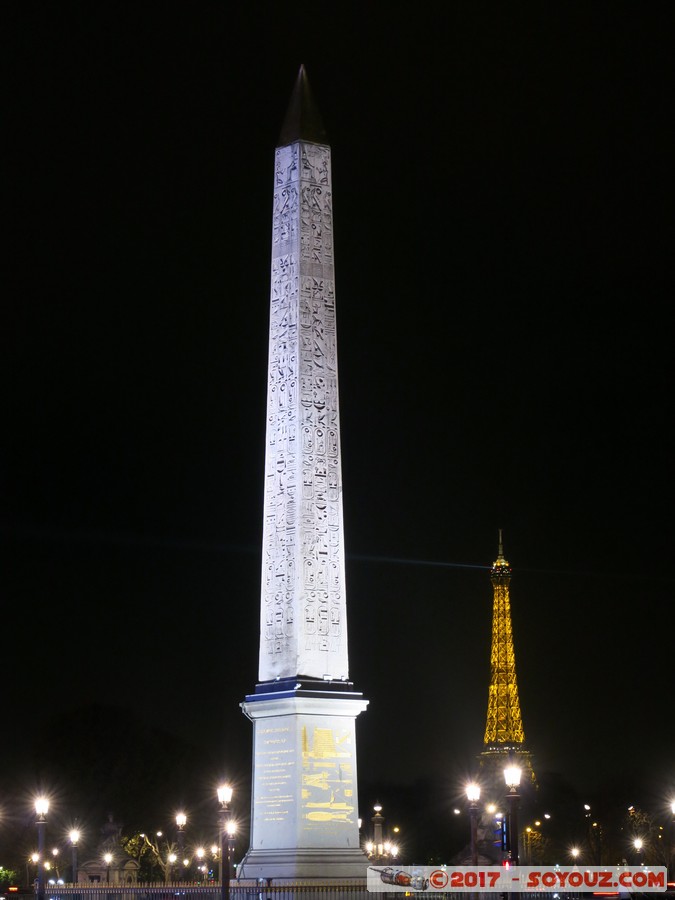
{"type": "Point", "coordinates": [503, 195]}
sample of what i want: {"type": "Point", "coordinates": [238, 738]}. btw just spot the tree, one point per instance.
{"type": "Point", "coordinates": [7, 877]}
{"type": "Point", "coordinates": [152, 855]}
{"type": "Point", "coordinates": [639, 826]}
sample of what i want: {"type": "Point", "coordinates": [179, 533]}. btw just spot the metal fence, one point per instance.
{"type": "Point", "coordinates": [240, 889]}
{"type": "Point", "coordinates": [263, 889]}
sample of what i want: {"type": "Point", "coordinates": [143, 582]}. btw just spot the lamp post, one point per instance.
{"type": "Point", "coordinates": [671, 846]}
{"type": "Point", "coordinates": [181, 819]}
{"type": "Point", "coordinates": [55, 853]}
{"type": "Point", "coordinates": [231, 832]}
{"type": "Point", "coordinates": [637, 843]}
{"type": "Point", "coordinates": [380, 849]}
{"type": "Point", "coordinates": [41, 809]}
{"type": "Point", "coordinates": [34, 858]}
{"type": "Point", "coordinates": [108, 858]}
{"type": "Point", "coordinates": [200, 853]}
{"type": "Point", "coordinates": [378, 831]}
{"type": "Point", "coordinates": [512, 778]}
{"type": "Point", "coordinates": [224, 797]}
{"type": "Point", "coordinates": [74, 838]}
{"type": "Point", "coordinates": [473, 796]}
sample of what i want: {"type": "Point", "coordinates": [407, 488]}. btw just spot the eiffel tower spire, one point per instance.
{"type": "Point", "coordinates": [504, 740]}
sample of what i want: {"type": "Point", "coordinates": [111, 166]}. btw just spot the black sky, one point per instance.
{"type": "Point", "coordinates": [503, 198]}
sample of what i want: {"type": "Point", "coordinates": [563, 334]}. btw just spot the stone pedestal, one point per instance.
{"type": "Point", "coordinates": [304, 810]}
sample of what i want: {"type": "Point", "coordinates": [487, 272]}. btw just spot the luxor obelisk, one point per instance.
{"type": "Point", "coordinates": [304, 810]}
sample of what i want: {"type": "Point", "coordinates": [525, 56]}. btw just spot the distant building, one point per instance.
{"type": "Point", "coordinates": [122, 869]}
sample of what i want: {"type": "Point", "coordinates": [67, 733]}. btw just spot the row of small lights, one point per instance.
{"type": "Point", "coordinates": [390, 849]}
{"type": "Point", "coordinates": [200, 852]}
{"type": "Point", "coordinates": [224, 794]}
{"type": "Point", "coordinates": [511, 775]}
{"type": "Point", "coordinates": [512, 778]}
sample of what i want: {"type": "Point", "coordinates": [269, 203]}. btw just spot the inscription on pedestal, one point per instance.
{"type": "Point", "coordinates": [275, 763]}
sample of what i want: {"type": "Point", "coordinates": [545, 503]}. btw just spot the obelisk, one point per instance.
{"type": "Point", "coordinates": [304, 808]}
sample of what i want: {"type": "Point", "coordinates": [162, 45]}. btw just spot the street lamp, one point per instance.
{"type": "Point", "coordinates": [637, 843]}
{"type": "Point", "coordinates": [473, 796]}
{"type": "Point", "coordinates": [512, 779]}
{"type": "Point", "coordinates": [41, 809]}
{"type": "Point", "coordinates": [231, 831]}
{"type": "Point", "coordinates": [181, 819]}
{"type": "Point", "coordinates": [74, 838]}
{"type": "Point", "coordinates": [380, 849]}
{"type": "Point", "coordinates": [200, 853]}
{"type": "Point", "coordinates": [34, 858]}
{"type": "Point", "coordinates": [378, 836]}
{"type": "Point", "coordinates": [224, 797]}
{"type": "Point", "coordinates": [108, 858]}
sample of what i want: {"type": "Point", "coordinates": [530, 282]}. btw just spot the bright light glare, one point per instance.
{"type": "Point", "coordinates": [473, 792]}
{"type": "Point", "coordinates": [512, 776]}
{"type": "Point", "coordinates": [225, 793]}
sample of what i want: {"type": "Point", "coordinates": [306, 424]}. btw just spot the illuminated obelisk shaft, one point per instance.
{"type": "Point", "coordinates": [304, 817]}
{"type": "Point", "coordinates": [303, 609]}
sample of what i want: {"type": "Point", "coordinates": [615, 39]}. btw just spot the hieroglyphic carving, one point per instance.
{"type": "Point", "coordinates": [303, 599]}
{"type": "Point", "coordinates": [328, 788]}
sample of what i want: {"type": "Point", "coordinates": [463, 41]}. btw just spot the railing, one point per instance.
{"type": "Point", "coordinates": [240, 889]}
{"type": "Point", "coordinates": [257, 889]}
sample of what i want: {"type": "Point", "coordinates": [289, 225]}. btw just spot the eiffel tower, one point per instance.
{"type": "Point", "coordinates": [504, 740]}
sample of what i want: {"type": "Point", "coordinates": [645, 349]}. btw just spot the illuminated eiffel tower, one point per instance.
{"type": "Point", "coordinates": [504, 741]}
